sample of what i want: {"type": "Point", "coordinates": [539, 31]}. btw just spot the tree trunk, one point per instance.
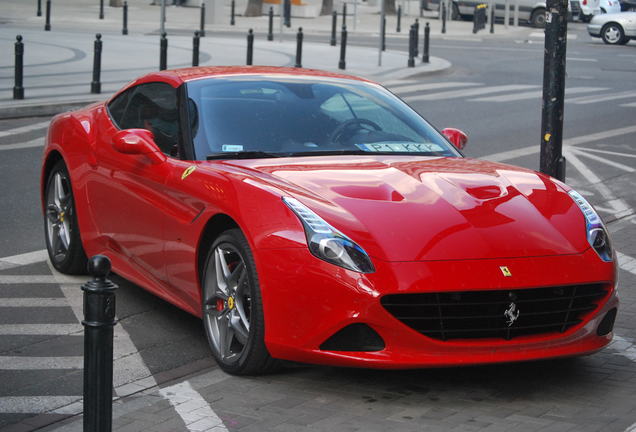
{"type": "Point", "coordinates": [389, 7]}
{"type": "Point", "coordinates": [327, 7]}
{"type": "Point", "coordinates": [254, 8]}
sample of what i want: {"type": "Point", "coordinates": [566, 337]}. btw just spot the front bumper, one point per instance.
{"type": "Point", "coordinates": [306, 301]}
{"type": "Point", "coordinates": [594, 30]}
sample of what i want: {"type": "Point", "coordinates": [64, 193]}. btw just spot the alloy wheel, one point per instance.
{"type": "Point", "coordinates": [59, 213]}
{"type": "Point", "coordinates": [612, 34]}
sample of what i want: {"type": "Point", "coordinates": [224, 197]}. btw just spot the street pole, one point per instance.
{"type": "Point", "coordinates": [162, 24]}
{"type": "Point", "coordinates": [101, 9]}
{"type": "Point", "coordinates": [552, 161]}
{"type": "Point", "coordinates": [382, 20]}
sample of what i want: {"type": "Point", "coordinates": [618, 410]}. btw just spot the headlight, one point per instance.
{"type": "Point", "coordinates": [597, 235]}
{"type": "Point", "coordinates": [329, 244]}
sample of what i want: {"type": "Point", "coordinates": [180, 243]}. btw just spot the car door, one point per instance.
{"type": "Point", "coordinates": [127, 191]}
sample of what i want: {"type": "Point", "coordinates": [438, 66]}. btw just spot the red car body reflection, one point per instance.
{"type": "Point", "coordinates": [459, 229]}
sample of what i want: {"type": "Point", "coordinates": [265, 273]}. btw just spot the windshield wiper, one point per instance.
{"type": "Point", "coordinates": [243, 155]}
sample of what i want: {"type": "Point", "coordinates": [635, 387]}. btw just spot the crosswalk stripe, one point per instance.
{"type": "Point", "coordinates": [40, 279]}
{"type": "Point", "coordinates": [430, 86]}
{"type": "Point", "coordinates": [34, 404]}
{"type": "Point", "coordinates": [390, 83]}
{"type": "Point", "coordinates": [33, 302]}
{"type": "Point", "coordinates": [26, 258]}
{"type": "Point", "coordinates": [24, 129]}
{"type": "Point", "coordinates": [535, 94]}
{"type": "Point", "coordinates": [593, 99]}
{"type": "Point", "coordinates": [40, 363]}
{"type": "Point", "coordinates": [40, 329]}
{"type": "Point", "coordinates": [38, 142]}
{"type": "Point", "coordinates": [629, 105]}
{"type": "Point", "coordinates": [469, 92]}
{"type": "Point", "coordinates": [626, 262]}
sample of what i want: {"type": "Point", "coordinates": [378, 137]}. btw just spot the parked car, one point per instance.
{"type": "Point", "coordinates": [614, 29]}
{"type": "Point", "coordinates": [315, 217]}
{"type": "Point", "coordinates": [628, 5]}
{"type": "Point", "coordinates": [610, 6]}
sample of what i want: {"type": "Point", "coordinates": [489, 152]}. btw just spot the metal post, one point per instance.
{"type": "Point", "coordinates": [383, 42]}
{"type": "Point", "coordinates": [101, 9]}
{"type": "Point", "coordinates": [427, 32]}
{"type": "Point", "coordinates": [124, 29]}
{"type": "Point", "coordinates": [552, 161]}
{"type": "Point", "coordinates": [232, 9]}
{"type": "Point", "coordinates": [202, 26]}
{"type": "Point", "coordinates": [492, 17]}
{"type": "Point", "coordinates": [411, 61]}
{"type": "Point", "coordinates": [343, 48]}
{"type": "Point", "coordinates": [443, 17]}
{"type": "Point", "coordinates": [515, 19]}
{"type": "Point", "coordinates": [422, 8]}
{"type": "Point", "coordinates": [18, 89]}
{"type": "Point", "coordinates": [162, 17]}
{"type": "Point", "coordinates": [96, 85]}
{"type": "Point", "coordinates": [195, 48]}
{"type": "Point", "coordinates": [287, 10]}
{"type": "Point", "coordinates": [39, 13]}
{"type": "Point", "coordinates": [506, 13]}
{"type": "Point", "coordinates": [250, 46]}
{"type": "Point", "coordinates": [270, 27]}
{"type": "Point", "coordinates": [344, 14]}
{"type": "Point", "coordinates": [399, 19]}
{"type": "Point", "coordinates": [99, 320]}
{"type": "Point", "coordinates": [416, 41]}
{"type": "Point", "coordinates": [355, 14]}
{"type": "Point", "coordinates": [163, 52]}
{"type": "Point", "coordinates": [382, 27]}
{"type": "Point", "coordinates": [47, 24]}
{"type": "Point", "coordinates": [334, 18]}
{"type": "Point", "coordinates": [299, 48]}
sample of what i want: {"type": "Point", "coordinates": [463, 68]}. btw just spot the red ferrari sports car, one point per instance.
{"type": "Point", "coordinates": [315, 217]}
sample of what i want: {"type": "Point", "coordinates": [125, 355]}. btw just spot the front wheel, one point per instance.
{"type": "Point", "coordinates": [537, 19]}
{"type": "Point", "coordinates": [613, 34]}
{"type": "Point", "coordinates": [233, 309]}
{"type": "Point", "coordinates": [61, 229]}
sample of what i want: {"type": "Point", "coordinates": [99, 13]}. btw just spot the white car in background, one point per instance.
{"type": "Point", "coordinates": [615, 28]}
{"type": "Point", "coordinates": [586, 9]}
{"type": "Point", "coordinates": [610, 6]}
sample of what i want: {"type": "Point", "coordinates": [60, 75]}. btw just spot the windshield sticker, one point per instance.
{"type": "Point", "coordinates": [231, 148]}
{"type": "Point", "coordinates": [401, 147]}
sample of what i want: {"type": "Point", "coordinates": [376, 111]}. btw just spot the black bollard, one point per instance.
{"type": "Point", "coordinates": [334, 18]}
{"type": "Point", "coordinates": [427, 33]}
{"type": "Point", "coordinates": [250, 47]}
{"type": "Point", "coordinates": [383, 36]}
{"type": "Point", "coordinates": [163, 52]}
{"type": "Point", "coordinates": [492, 19]}
{"type": "Point", "coordinates": [101, 9]}
{"type": "Point", "coordinates": [411, 61]}
{"type": "Point", "coordinates": [399, 19]}
{"type": "Point", "coordinates": [47, 24]}
{"type": "Point", "coordinates": [202, 25]}
{"type": "Point", "coordinates": [344, 14]}
{"type": "Point", "coordinates": [39, 13]}
{"type": "Point", "coordinates": [299, 48]}
{"type": "Point", "coordinates": [195, 49]}
{"type": "Point", "coordinates": [270, 28]}
{"type": "Point", "coordinates": [96, 85]}
{"type": "Point", "coordinates": [232, 8]}
{"type": "Point", "coordinates": [18, 89]}
{"type": "Point", "coordinates": [99, 320]}
{"type": "Point", "coordinates": [443, 18]}
{"type": "Point", "coordinates": [124, 29]}
{"type": "Point", "coordinates": [416, 41]}
{"type": "Point", "coordinates": [343, 48]}
{"type": "Point", "coordinates": [287, 13]}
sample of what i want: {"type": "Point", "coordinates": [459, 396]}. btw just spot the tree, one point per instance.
{"type": "Point", "coordinates": [327, 7]}
{"type": "Point", "coordinates": [254, 8]}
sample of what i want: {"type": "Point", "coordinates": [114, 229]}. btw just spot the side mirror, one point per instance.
{"type": "Point", "coordinates": [456, 137]}
{"type": "Point", "coordinates": [138, 142]}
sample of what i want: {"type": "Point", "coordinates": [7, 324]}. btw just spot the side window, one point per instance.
{"type": "Point", "coordinates": [153, 106]}
{"type": "Point", "coordinates": [117, 106]}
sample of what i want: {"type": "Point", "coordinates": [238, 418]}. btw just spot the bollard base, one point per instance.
{"type": "Point", "coordinates": [96, 87]}
{"type": "Point", "coordinates": [411, 63]}
{"type": "Point", "coordinates": [18, 92]}
{"type": "Point", "coordinates": [270, 37]}
{"type": "Point", "coordinates": [425, 60]}
{"type": "Point", "coordinates": [332, 42]}
{"type": "Point", "coordinates": [47, 27]}
{"type": "Point", "coordinates": [124, 32]}
{"type": "Point", "coordinates": [341, 65]}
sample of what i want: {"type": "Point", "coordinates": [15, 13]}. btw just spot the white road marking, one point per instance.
{"type": "Point", "coordinates": [604, 160]}
{"type": "Point", "coordinates": [390, 83]}
{"type": "Point", "coordinates": [468, 92]}
{"type": "Point", "coordinates": [541, 35]}
{"type": "Point", "coordinates": [430, 86]}
{"type": "Point", "coordinates": [29, 279]}
{"type": "Point", "coordinates": [623, 347]}
{"type": "Point", "coordinates": [582, 59]}
{"type": "Point", "coordinates": [40, 363]}
{"type": "Point", "coordinates": [629, 105]}
{"type": "Point", "coordinates": [38, 142]}
{"type": "Point", "coordinates": [24, 129]}
{"type": "Point", "coordinates": [26, 258]}
{"type": "Point", "coordinates": [33, 302]}
{"type": "Point", "coordinates": [631, 428]}
{"type": "Point", "coordinates": [627, 155]}
{"type": "Point", "coordinates": [626, 262]}
{"type": "Point", "coordinates": [33, 404]}
{"type": "Point", "coordinates": [40, 329]}
{"type": "Point", "coordinates": [192, 408]}
{"type": "Point", "coordinates": [584, 100]}
{"type": "Point", "coordinates": [536, 94]}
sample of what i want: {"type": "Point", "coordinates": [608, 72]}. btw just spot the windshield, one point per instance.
{"type": "Point", "coordinates": [256, 116]}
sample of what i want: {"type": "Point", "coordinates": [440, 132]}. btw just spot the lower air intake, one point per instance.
{"type": "Point", "coordinates": [354, 337]}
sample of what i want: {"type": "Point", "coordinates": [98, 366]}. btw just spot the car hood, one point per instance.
{"type": "Point", "coordinates": [410, 209]}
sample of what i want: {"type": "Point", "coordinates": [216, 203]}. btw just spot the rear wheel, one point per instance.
{"type": "Point", "coordinates": [613, 34]}
{"type": "Point", "coordinates": [61, 230]}
{"type": "Point", "coordinates": [233, 308]}
{"type": "Point", "coordinates": [537, 19]}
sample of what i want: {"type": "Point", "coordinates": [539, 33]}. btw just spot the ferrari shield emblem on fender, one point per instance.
{"type": "Point", "coordinates": [511, 314]}
{"type": "Point", "coordinates": [189, 170]}
{"type": "Point", "coordinates": [505, 271]}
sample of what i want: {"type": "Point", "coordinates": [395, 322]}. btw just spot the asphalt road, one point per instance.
{"type": "Point", "coordinates": [493, 94]}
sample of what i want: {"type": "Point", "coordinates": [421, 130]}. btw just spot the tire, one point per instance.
{"type": "Point", "coordinates": [586, 18]}
{"type": "Point", "coordinates": [61, 230]}
{"type": "Point", "coordinates": [613, 34]}
{"type": "Point", "coordinates": [233, 308]}
{"type": "Point", "coordinates": [537, 19]}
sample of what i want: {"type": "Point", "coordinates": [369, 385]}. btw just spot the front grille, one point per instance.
{"type": "Point", "coordinates": [487, 314]}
